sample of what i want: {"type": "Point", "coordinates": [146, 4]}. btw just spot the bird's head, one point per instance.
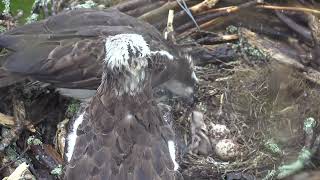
{"type": "Point", "coordinates": [129, 63]}
{"type": "Point", "coordinates": [178, 77]}
{"type": "Point", "coordinates": [126, 62]}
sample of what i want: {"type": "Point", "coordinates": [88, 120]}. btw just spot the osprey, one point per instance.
{"type": "Point", "coordinates": [122, 135]}
{"type": "Point", "coordinates": [67, 51]}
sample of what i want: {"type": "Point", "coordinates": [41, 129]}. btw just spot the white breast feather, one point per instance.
{"type": "Point", "coordinates": [172, 151]}
{"type": "Point", "coordinates": [72, 137]}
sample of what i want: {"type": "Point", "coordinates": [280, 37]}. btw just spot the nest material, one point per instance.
{"type": "Point", "coordinates": [259, 104]}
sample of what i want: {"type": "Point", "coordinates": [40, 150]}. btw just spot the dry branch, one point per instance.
{"type": "Point", "coordinates": [218, 39]}
{"type": "Point", "coordinates": [304, 32]}
{"type": "Point", "coordinates": [7, 121]}
{"type": "Point", "coordinates": [160, 13]}
{"type": "Point", "coordinates": [14, 133]}
{"type": "Point", "coordinates": [133, 4]}
{"type": "Point", "coordinates": [47, 155]}
{"type": "Point", "coordinates": [21, 172]}
{"type": "Point", "coordinates": [302, 9]}
{"type": "Point", "coordinates": [145, 9]}
{"type": "Point", "coordinates": [182, 17]}
{"type": "Point", "coordinates": [281, 53]}
{"type": "Point", "coordinates": [209, 16]}
{"type": "Point", "coordinates": [314, 24]}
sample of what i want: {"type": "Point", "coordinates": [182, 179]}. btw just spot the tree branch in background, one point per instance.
{"type": "Point", "coordinates": [133, 4]}
{"type": "Point", "coordinates": [144, 9]}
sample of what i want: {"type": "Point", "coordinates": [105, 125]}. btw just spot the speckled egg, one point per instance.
{"type": "Point", "coordinates": [219, 131]}
{"type": "Point", "coordinates": [227, 149]}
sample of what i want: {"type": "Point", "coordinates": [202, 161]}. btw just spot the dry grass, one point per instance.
{"type": "Point", "coordinates": [259, 103]}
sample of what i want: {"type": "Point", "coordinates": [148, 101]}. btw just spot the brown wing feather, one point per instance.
{"type": "Point", "coordinates": [121, 140]}
{"type": "Point", "coordinates": [73, 64]}
{"type": "Point", "coordinates": [66, 50]}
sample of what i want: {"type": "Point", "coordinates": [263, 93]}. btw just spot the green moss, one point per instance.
{"type": "Point", "coordinates": [251, 51]}
{"type": "Point", "coordinates": [34, 141]}
{"type": "Point", "coordinates": [289, 169]}
{"type": "Point", "coordinates": [32, 18]}
{"type": "Point", "coordinates": [309, 124]}
{"type": "Point", "coordinates": [15, 7]}
{"type": "Point", "coordinates": [6, 8]}
{"type": "Point", "coordinates": [73, 107]}
{"type": "Point", "coordinates": [86, 4]}
{"type": "Point", "coordinates": [57, 170]}
{"type": "Point", "coordinates": [232, 29]}
{"type": "Point", "coordinates": [273, 147]}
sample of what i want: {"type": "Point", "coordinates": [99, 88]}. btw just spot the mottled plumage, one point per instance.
{"type": "Point", "coordinates": [67, 50]}
{"type": "Point", "coordinates": [123, 135]}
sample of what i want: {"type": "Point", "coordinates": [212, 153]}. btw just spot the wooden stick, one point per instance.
{"type": "Point", "coordinates": [209, 17]}
{"type": "Point", "coordinates": [287, 8]}
{"type": "Point", "coordinates": [205, 5]}
{"type": "Point", "coordinates": [158, 14]}
{"type": "Point", "coordinates": [19, 172]}
{"type": "Point", "coordinates": [181, 17]}
{"type": "Point", "coordinates": [169, 24]}
{"type": "Point", "coordinates": [203, 26]}
{"type": "Point", "coordinates": [280, 52]}
{"type": "Point", "coordinates": [304, 32]}
{"type": "Point", "coordinates": [7, 121]}
{"type": "Point", "coordinates": [144, 9]}
{"type": "Point", "coordinates": [218, 39]}
{"type": "Point", "coordinates": [132, 4]}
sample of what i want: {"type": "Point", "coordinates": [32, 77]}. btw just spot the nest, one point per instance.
{"type": "Point", "coordinates": [260, 104]}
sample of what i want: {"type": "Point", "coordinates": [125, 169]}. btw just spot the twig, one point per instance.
{"type": "Point", "coordinates": [158, 14]}
{"type": "Point", "coordinates": [48, 156]}
{"type": "Point", "coordinates": [169, 28]}
{"type": "Point", "coordinates": [206, 18]}
{"type": "Point", "coordinates": [132, 4]}
{"type": "Point", "coordinates": [220, 112]}
{"type": "Point", "coordinates": [219, 39]}
{"type": "Point", "coordinates": [14, 133]}
{"type": "Point", "coordinates": [185, 8]}
{"type": "Point", "coordinates": [9, 121]}
{"type": "Point", "coordinates": [205, 5]}
{"type": "Point", "coordinates": [304, 32]}
{"type": "Point", "coordinates": [285, 8]}
{"type": "Point", "coordinates": [6, 120]}
{"type": "Point", "coordinates": [202, 26]}
{"type": "Point", "coordinates": [13, 161]}
{"type": "Point", "coordinates": [314, 23]}
{"type": "Point", "coordinates": [281, 53]}
{"type": "Point", "coordinates": [144, 9]}
{"type": "Point", "coordinates": [196, 9]}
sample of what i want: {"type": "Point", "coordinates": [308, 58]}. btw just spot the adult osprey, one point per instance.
{"type": "Point", "coordinates": [67, 50]}
{"type": "Point", "coordinates": [123, 135]}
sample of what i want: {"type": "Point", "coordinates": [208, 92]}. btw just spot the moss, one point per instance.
{"type": "Point", "coordinates": [309, 124]}
{"type": "Point", "coordinates": [73, 107]}
{"type": "Point", "coordinates": [15, 7]}
{"type": "Point", "coordinates": [57, 170]}
{"type": "Point", "coordinates": [32, 18]}
{"type": "Point", "coordinates": [86, 4]}
{"type": "Point", "coordinates": [34, 141]}
{"type": "Point", "coordinates": [6, 10]}
{"type": "Point", "coordinates": [252, 52]}
{"type": "Point", "coordinates": [273, 147]}
{"type": "Point", "coordinates": [232, 29]}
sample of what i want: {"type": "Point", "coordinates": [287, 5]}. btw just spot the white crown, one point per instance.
{"type": "Point", "coordinates": [126, 51]}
